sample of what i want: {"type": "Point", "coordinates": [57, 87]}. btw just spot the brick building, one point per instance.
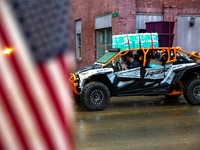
{"type": "Point", "coordinates": [95, 22]}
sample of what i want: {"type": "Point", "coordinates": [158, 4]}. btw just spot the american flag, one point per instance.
{"type": "Point", "coordinates": [36, 109]}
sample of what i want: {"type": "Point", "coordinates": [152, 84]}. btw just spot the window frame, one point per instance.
{"type": "Point", "coordinates": [78, 34]}
{"type": "Point", "coordinates": [104, 39]}
{"type": "Point", "coordinates": [78, 46]}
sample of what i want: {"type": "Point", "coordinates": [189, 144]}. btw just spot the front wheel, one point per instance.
{"type": "Point", "coordinates": [95, 96]}
{"type": "Point", "coordinates": [192, 92]}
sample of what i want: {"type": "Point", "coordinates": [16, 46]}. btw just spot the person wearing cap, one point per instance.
{"type": "Point", "coordinates": [131, 62]}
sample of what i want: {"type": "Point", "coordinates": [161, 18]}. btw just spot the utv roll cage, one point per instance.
{"type": "Point", "coordinates": [171, 53]}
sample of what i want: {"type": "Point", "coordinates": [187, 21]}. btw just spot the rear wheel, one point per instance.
{"type": "Point", "coordinates": [192, 92]}
{"type": "Point", "coordinates": [95, 96]}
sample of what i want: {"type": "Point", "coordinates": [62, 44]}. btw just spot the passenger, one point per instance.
{"type": "Point", "coordinates": [132, 63]}
{"type": "Point", "coordinates": [139, 56]}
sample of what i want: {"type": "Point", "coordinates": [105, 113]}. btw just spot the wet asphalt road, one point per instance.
{"type": "Point", "coordinates": [139, 123]}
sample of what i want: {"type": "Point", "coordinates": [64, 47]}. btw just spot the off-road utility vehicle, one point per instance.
{"type": "Point", "coordinates": [175, 75]}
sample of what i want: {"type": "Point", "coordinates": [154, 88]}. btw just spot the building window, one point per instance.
{"type": "Point", "coordinates": [78, 44]}
{"type": "Point", "coordinates": [78, 40]}
{"type": "Point", "coordinates": [104, 41]}
{"type": "Point", "coordinates": [103, 27]}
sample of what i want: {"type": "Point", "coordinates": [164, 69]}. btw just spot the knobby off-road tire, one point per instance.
{"type": "Point", "coordinates": [172, 96]}
{"type": "Point", "coordinates": [192, 92]}
{"type": "Point", "coordinates": [95, 96]}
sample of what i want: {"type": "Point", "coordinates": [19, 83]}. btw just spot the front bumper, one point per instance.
{"type": "Point", "coordinates": [74, 83]}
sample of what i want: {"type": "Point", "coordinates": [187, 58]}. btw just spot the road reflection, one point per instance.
{"type": "Point", "coordinates": [137, 122]}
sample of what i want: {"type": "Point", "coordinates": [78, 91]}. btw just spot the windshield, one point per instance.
{"type": "Point", "coordinates": [106, 57]}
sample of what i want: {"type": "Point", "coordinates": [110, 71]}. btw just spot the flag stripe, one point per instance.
{"type": "Point", "coordinates": [65, 72]}
{"type": "Point", "coordinates": [19, 104]}
{"type": "Point", "coordinates": [57, 125]}
{"type": "Point", "coordinates": [13, 118]}
{"type": "Point", "coordinates": [2, 35]}
{"type": "Point", "coordinates": [1, 145]}
{"type": "Point", "coordinates": [58, 106]}
{"type": "Point", "coordinates": [65, 77]}
{"type": "Point", "coordinates": [65, 64]}
{"type": "Point", "coordinates": [10, 139]}
{"type": "Point", "coordinates": [27, 94]}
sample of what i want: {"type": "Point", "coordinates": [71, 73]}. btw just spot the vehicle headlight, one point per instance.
{"type": "Point", "coordinates": [85, 75]}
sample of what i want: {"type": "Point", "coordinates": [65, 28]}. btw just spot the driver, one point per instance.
{"type": "Point", "coordinates": [123, 60]}
{"type": "Point", "coordinates": [131, 62]}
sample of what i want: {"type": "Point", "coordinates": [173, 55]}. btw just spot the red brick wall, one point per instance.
{"type": "Point", "coordinates": [127, 11]}
{"type": "Point", "coordinates": [86, 10]}
{"type": "Point", "coordinates": [157, 6]}
{"type": "Point", "coordinates": [149, 6]}
{"type": "Point", "coordinates": [170, 9]}
{"type": "Point", "coordinates": [83, 11]}
{"type": "Point", "coordinates": [171, 14]}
